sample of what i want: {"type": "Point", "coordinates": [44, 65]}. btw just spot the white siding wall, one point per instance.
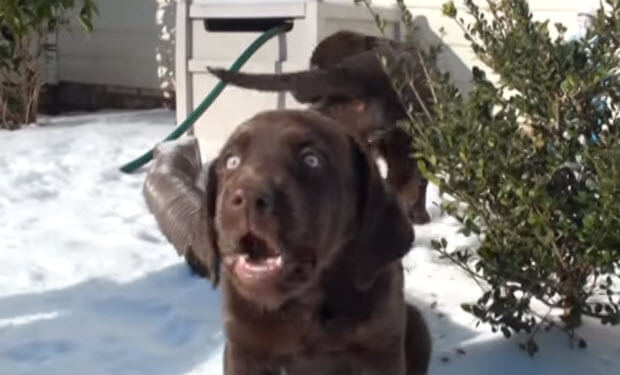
{"type": "Point", "coordinates": [123, 49]}
{"type": "Point", "coordinates": [458, 58]}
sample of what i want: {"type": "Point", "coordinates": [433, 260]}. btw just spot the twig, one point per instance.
{"type": "Point", "coordinates": [417, 95]}
{"type": "Point", "coordinates": [473, 274]}
{"type": "Point", "coordinates": [428, 76]}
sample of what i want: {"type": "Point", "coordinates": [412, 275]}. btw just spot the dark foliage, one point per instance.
{"type": "Point", "coordinates": [532, 160]}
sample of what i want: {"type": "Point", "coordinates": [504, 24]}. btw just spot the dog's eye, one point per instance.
{"type": "Point", "coordinates": [311, 159]}
{"type": "Point", "coordinates": [233, 162]}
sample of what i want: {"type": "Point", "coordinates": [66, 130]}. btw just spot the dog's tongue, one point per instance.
{"type": "Point", "coordinates": [250, 270]}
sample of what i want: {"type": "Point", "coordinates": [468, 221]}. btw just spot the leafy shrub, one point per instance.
{"type": "Point", "coordinates": [24, 26]}
{"type": "Point", "coordinates": [532, 159]}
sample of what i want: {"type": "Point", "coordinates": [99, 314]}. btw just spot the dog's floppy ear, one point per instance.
{"type": "Point", "coordinates": [181, 193]}
{"type": "Point", "coordinates": [384, 231]}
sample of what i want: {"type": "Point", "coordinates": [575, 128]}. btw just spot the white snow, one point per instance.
{"type": "Point", "coordinates": [88, 285]}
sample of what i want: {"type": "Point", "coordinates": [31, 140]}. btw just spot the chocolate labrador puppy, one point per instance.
{"type": "Point", "coordinates": [347, 81]}
{"type": "Point", "coordinates": [294, 221]}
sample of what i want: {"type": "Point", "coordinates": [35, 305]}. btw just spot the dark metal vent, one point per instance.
{"type": "Point", "coordinates": [245, 24]}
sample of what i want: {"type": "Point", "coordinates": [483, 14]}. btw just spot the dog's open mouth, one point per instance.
{"type": "Point", "coordinates": [258, 260]}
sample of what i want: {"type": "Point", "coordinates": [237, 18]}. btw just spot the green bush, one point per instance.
{"type": "Point", "coordinates": [24, 26]}
{"type": "Point", "coordinates": [532, 160]}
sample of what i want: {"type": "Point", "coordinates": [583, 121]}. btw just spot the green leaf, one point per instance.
{"type": "Point", "coordinates": [449, 9]}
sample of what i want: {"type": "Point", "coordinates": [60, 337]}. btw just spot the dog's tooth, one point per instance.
{"type": "Point", "coordinates": [256, 267]}
{"type": "Point", "coordinates": [274, 263]}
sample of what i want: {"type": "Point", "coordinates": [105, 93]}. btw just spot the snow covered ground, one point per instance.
{"type": "Point", "coordinates": [88, 285]}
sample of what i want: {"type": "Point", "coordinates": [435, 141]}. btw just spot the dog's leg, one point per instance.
{"type": "Point", "coordinates": [417, 343]}
{"type": "Point", "coordinates": [403, 174]}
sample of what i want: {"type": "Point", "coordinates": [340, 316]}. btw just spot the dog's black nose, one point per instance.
{"type": "Point", "coordinates": [257, 200]}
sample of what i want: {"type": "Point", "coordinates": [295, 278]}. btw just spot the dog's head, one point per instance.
{"type": "Point", "coordinates": [289, 194]}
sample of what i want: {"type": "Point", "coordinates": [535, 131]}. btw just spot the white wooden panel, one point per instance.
{"type": "Point", "coordinates": [110, 58]}
{"type": "Point", "coordinates": [295, 9]}
{"type": "Point", "coordinates": [200, 66]}
{"type": "Point", "coordinates": [459, 57]}
{"type": "Point", "coordinates": [222, 48]}
{"type": "Point", "coordinates": [304, 36]}
{"type": "Point", "coordinates": [126, 15]}
{"type": "Point", "coordinates": [332, 25]}
{"type": "Point", "coordinates": [321, 20]}
{"type": "Point", "coordinates": [128, 73]}
{"type": "Point", "coordinates": [228, 46]}
{"type": "Point", "coordinates": [336, 17]}
{"type": "Point", "coordinates": [110, 45]}
{"type": "Point", "coordinates": [233, 106]}
{"type": "Point", "coordinates": [357, 13]}
{"type": "Point", "coordinates": [182, 47]}
{"type": "Point", "coordinates": [51, 60]}
{"type": "Point", "coordinates": [454, 34]}
{"type": "Point", "coordinates": [123, 48]}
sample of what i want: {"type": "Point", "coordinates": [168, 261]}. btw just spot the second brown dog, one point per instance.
{"type": "Point", "coordinates": [348, 82]}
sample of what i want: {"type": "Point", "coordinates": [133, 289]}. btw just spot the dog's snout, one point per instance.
{"type": "Point", "coordinates": [257, 199]}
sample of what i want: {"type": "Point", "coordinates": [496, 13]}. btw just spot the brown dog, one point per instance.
{"type": "Point", "coordinates": [308, 241]}
{"type": "Point", "coordinates": [348, 82]}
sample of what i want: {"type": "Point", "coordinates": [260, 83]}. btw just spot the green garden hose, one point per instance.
{"type": "Point", "coordinates": [133, 165]}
